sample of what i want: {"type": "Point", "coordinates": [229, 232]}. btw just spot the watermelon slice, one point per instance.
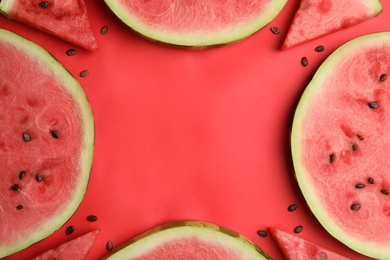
{"type": "Point", "coordinates": [75, 249]}
{"type": "Point", "coordinates": [196, 23]}
{"type": "Point", "coordinates": [316, 18]}
{"type": "Point", "coordinates": [295, 248]}
{"type": "Point", "coordinates": [188, 240]}
{"type": "Point", "coordinates": [46, 145]}
{"type": "Point", "coordinates": [340, 144]}
{"type": "Point", "coordinates": [67, 20]}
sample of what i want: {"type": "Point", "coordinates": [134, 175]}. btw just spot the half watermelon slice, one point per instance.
{"type": "Point", "coordinates": [66, 20]}
{"type": "Point", "coordinates": [46, 144]}
{"type": "Point", "coordinates": [340, 144]}
{"type": "Point", "coordinates": [196, 23]}
{"type": "Point", "coordinates": [316, 18]}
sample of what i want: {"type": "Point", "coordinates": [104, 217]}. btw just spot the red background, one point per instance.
{"type": "Point", "coordinates": [183, 134]}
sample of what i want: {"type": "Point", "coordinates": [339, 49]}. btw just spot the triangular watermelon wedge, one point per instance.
{"type": "Point", "coordinates": [76, 249]}
{"type": "Point", "coordinates": [296, 248]}
{"type": "Point", "coordinates": [67, 20]}
{"type": "Point", "coordinates": [316, 18]}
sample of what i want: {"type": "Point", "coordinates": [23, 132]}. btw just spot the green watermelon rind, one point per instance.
{"type": "Point", "coordinates": [229, 35]}
{"type": "Point", "coordinates": [368, 248]}
{"type": "Point", "coordinates": [207, 231]}
{"type": "Point", "coordinates": [74, 88]}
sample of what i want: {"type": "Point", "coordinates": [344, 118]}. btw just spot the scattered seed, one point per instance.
{"type": "Point", "coordinates": [26, 137]}
{"type": "Point", "coordinates": [21, 174]}
{"type": "Point", "coordinates": [373, 104]}
{"type": "Point", "coordinates": [19, 207]}
{"type": "Point", "coordinates": [15, 187]}
{"type": "Point", "coordinates": [385, 192]}
{"type": "Point", "coordinates": [360, 137]}
{"type": "Point", "coordinates": [355, 206]}
{"type": "Point", "coordinates": [298, 229]}
{"type": "Point", "coordinates": [71, 52]}
{"type": "Point", "coordinates": [104, 30]}
{"type": "Point", "coordinates": [319, 48]}
{"type": "Point", "coordinates": [55, 134]}
{"type": "Point", "coordinates": [275, 30]}
{"type": "Point", "coordinates": [370, 181]}
{"type": "Point", "coordinates": [304, 61]}
{"type": "Point", "coordinates": [109, 245]}
{"type": "Point", "coordinates": [84, 73]}
{"type": "Point", "coordinates": [292, 207]}
{"type": "Point", "coordinates": [44, 4]}
{"type": "Point", "coordinates": [69, 230]}
{"type": "Point", "coordinates": [39, 178]}
{"type": "Point", "coordinates": [331, 158]}
{"type": "Point", "coordinates": [360, 186]}
{"type": "Point", "coordinates": [92, 218]}
{"type": "Point", "coordinates": [262, 233]}
{"type": "Point", "coordinates": [382, 77]}
{"type": "Point", "coordinates": [354, 147]}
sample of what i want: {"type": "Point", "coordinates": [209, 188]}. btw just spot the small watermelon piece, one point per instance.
{"type": "Point", "coordinates": [316, 18]}
{"type": "Point", "coordinates": [196, 23]}
{"type": "Point", "coordinates": [75, 249]}
{"type": "Point", "coordinates": [295, 248]}
{"type": "Point", "coordinates": [46, 145]}
{"type": "Point", "coordinates": [67, 20]}
{"type": "Point", "coordinates": [188, 240]}
{"type": "Point", "coordinates": [340, 144]}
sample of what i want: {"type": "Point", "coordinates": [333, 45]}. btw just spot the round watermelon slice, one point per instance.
{"type": "Point", "coordinates": [46, 143]}
{"type": "Point", "coordinates": [340, 144]}
{"type": "Point", "coordinates": [188, 240]}
{"type": "Point", "coordinates": [196, 23]}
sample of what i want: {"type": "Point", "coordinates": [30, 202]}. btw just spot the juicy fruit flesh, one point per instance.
{"type": "Point", "coordinates": [340, 145]}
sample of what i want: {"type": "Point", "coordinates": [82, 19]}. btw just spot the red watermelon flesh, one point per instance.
{"type": "Point", "coordinates": [296, 248]}
{"type": "Point", "coordinates": [340, 144]}
{"type": "Point", "coordinates": [196, 23]}
{"type": "Point", "coordinates": [46, 145]}
{"type": "Point", "coordinates": [188, 240]}
{"type": "Point", "coordinates": [75, 249]}
{"type": "Point", "coordinates": [64, 19]}
{"type": "Point", "coordinates": [316, 18]}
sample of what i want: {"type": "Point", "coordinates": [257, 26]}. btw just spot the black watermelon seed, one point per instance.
{"type": "Point", "coordinates": [292, 207]}
{"type": "Point", "coordinates": [104, 30]}
{"type": "Point", "coordinates": [15, 187]}
{"type": "Point", "coordinates": [382, 77]}
{"type": "Point", "coordinates": [304, 61]}
{"type": "Point", "coordinates": [373, 105]}
{"type": "Point", "coordinates": [69, 230]}
{"type": "Point", "coordinates": [26, 137]}
{"type": "Point", "coordinates": [360, 186]}
{"type": "Point", "coordinates": [331, 158]}
{"type": "Point", "coordinates": [355, 206]}
{"type": "Point", "coordinates": [298, 229]}
{"type": "Point", "coordinates": [39, 178]}
{"type": "Point", "coordinates": [71, 52]}
{"type": "Point", "coordinates": [354, 147]}
{"type": "Point", "coordinates": [360, 137]}
{"type": "Point", "coordinates": [109, 245]}
{"type": "Point", "coordinates": [275, 30]}
{"type": "Point", "coordinates": [319, 48]}
{"type": "Point", "coordinates": [262, 233]}
{"type": "Point", "coordinates": [44, 4]}
{"type": "Point", "coordinates": [22, 174]}
{"type": "Point", "coordinates": [92, 218]}
{"type": "Point", "coordinates": [55, 134]}
{"type": "Point", "coordinates": [84, 73]}
{"type": "Point", "coordinates": [370, 181]}
{"type": "Point", "coordinates": [385, 192]}
{"type": "Point", "coordinates": [19, 207]}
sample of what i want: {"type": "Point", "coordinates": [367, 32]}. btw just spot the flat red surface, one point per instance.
{"type": "Point", "coordinates": [184, 134]}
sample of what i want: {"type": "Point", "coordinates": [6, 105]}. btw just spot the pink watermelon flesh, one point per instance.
{"type": "Point", "coordinates": [46, 144]}
{"type": "Point", "coordinates": [294, 247]}
{"type": "Point", "coordinates": [196, 23]}
{"type": "Point", "coordinates": [316, 18]}
{"type": "Point", "coordinates": [75, 249]}
{"type": "Point", "coordinates": [67, 20]}
{"type": "Point", "coordinates": [340, 144]}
